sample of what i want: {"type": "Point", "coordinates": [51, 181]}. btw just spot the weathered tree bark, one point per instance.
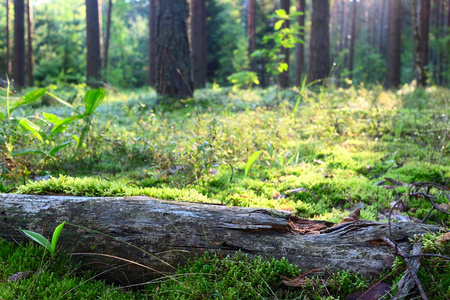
{"type": "Point", "coordinates": [153, 22]}
{"type": "Point", "coordinates": [198, 42]}
{"type": "Point", "coordinates": [19, 43]}
{"type": "Point", "coordinates": [394, 46]}
{"type": "Point", "coordinates": [172, 53]}
{"type": "Point", "coordinates": [419, 72]}
{"type": "Point", "coordinates": [93, 41]}
{"type": "Point", "coordinates": [162, 234]}
{"type": "Point", "coordinates": [8, 34]}
{"type": "Point", "coordinates": [319, 54]}
{"type": "Point", "coordinates": [30, 56]}
{"type": "Point", "coordinates": [283, 77]}
{"type": "Point", "coordinates": [300, 47]}
{"type": "Point", "coordinates": [425, 28]}
{"type": "Point", "coordinates": [108, 33]}
{"type": "Point", "coordinates": [251, 27]}
{"type": "Point", "coordinates": [351, 56]}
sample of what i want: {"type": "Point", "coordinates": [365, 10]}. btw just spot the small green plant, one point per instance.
{"type": "Point", "coordinates": [251, 160]}
{"type": "Point", "coordinates": [243, 79]}
{"type": "Point", "coordinates": [51, 247]}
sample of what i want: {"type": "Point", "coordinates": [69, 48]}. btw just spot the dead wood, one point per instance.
{"type": "Point", "coordinates": [162, 234]}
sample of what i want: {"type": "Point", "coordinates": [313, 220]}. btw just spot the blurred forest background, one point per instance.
{"type": "Point", "coordinates": [232, 42]}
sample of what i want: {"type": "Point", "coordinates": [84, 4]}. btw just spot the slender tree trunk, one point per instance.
{"type": "Point", "coordinates": [251, 27]}
{"type": "Point", "coordinates": [8, 35]}
{"type": "Point", "coordinates": [283, 77]}
{"type": "Point", "coordinates": [394, 44]}
{"type": "Point", "coordinates": [153, 22]}
{"type": "Point", "coordinates": [93, 41]}
{"type": "Point", "coordinates": [30, 43]}
{"type": "Point", "coordinates": [319, 54]}
{"type": "Point", "coordinates": [172, 52]}
{"type": "Point", "coordinates": [382, 23]}
{"type": "Point", "coordinates": [425, 28]}
{"type": "Point", "coordinates": [108, 36]}
{"type": "Point", "coordinates": [352, 41]}
{"type": "Point", "coordinates": [19, 43]}
{"type": "Point", "coordinates": [419, 73]}
{"type": "Point", "coordinates": [198, 42]}
{"type": "Point", "coordinates": [375, 10]}
{"type": "Point", "coordinates": [300, 48]}
{"type": "Point", "coordinates": [344, 34]}
{"type": "Point", "coordinates": [441, 34]}
{"type": "Point", "coordinates": [334, 32]}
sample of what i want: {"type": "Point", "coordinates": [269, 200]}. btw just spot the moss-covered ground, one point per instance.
{"type": "Point", "coordinates": [336, 146]}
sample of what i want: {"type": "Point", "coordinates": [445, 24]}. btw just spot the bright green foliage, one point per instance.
{"type": "Point", "coordinates": [51, 247]}
{"type": "Point", "coordinates": [52, 279]}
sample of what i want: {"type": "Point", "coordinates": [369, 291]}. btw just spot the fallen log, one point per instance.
{"type": "Point", "coordinates": [162, 234]}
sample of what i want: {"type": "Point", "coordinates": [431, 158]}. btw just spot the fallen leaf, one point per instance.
{"type": "Point", "coordinates": [353, 217]}
{"type": "Point", "coordinates": [444, 206]}
{"type": "Point", "coordinates": [318, 161]}
{"type": "Point", "coordinates": [374, 292]}
{"type": "Point", "coordinates": [20, 275]}
{"type": "Point", "coordinates": [444, 238]}
{"type": "Point", "coordinates": [297, 190]}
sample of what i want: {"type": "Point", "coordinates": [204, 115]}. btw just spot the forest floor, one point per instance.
{"type": "Point", "coordinates": [319, 153]}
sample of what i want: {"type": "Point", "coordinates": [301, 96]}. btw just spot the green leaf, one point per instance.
{"type": "Point", "coordinates": [281, 13]}
{"type": "Point", "coordinates": [33, 128]}
{"type": "Point", "coordinates": [55, 149]}
{"type": "Point", "coordinates": [2, 117]}
{"type": "Point", "coordinates": [251, 160]}
{"type": "Point", "coordinates": [62, 101]}
{"type": "Point", "coordinates": [278, 25]}
{"type": "Point", "coordinates": [93, 99]}
{"type": "Point", "coordinates": [39, 239]}
{"type": "Point", "coordinates": [55, 237]}
{"type": "Point", "coordinates": [29, 98]}
{"type": "Point", "coordinates": [27, 151]}
{"type": "Point", "coordinates": [83, 134]}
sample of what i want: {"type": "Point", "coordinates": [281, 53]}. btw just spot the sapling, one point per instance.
{"type": "Point", "coordinates": [51, 247]}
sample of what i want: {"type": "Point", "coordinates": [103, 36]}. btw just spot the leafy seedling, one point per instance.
{"type": "Point", "coordinates": [251, 160]}
{"type": "Point", "coordinates": [51, 247]}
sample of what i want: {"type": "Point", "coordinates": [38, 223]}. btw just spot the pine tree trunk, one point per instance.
{"type": "Point", "coordinates": [8, 35]}
{"type": "Point", "coordinates": [375, 10]}
{"type": "Point", "coordinates": [172, 52]}
{"type": "Point", "coordinates": [352, 41]}
{"type": "Point", "coordinates": [344, 33]}
{"type": "Point", "coordinates": [394, 46]}
{"type": "Point", "coordinates": [319, 53]}
{"type": "Point", "coordinates": [251, 27]}
{"type": "Point", "coordinates": [300, 48]}
{"type": "Point", "coordinates": [93, 41]}
{"type": "Point", "coordinates": [163, 234]}
{"type": "Point", "coordinates": [30, 43]}
{"type": "Point", "coordinates": [283, 77]}
{"type": "Point", "coordinates": [198, 42]}
{"type": "Point", "coordinates": [153, 22]}
{"type": "Point", "coordinates": [19, 43]}
{"type": "Point", "coordinates": [382, 33]}
{"type": "Point", "coordinates": [425, 28]}
{"type": "Point", "coordinates": [108, 36]}
{"type": "Point", "coordinates": [419, 73]}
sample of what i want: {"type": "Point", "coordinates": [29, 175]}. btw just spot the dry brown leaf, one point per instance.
{"type": "Point", "coordinates": [20, 275]}
{"type": "Point", "coordinates": [353, 217]}
{"type": "Point", "coordinates": [374, 292]}
{"type": "Point", "coordinates": [444, 238]}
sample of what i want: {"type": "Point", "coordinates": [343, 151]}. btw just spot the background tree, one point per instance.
{"type": "Point", "coordinates": [251, 29]}
{"type": "Point", "coordinates": [394, 44]}
{"type": "Point", "coordinates": [424, 28]}
{"type": "Point", "coordinates": [8, 34]}
{"type": "Point", "coordinates": [198, 42]}
{"type": "Point", "coordinates": [300, 47]}
{"type": "Point", "coordinates": [152, 42]}
{"type": "Point", "coordinates": [419, 72]}
{"type": "Point", "coordinates": [283, 77]}
{"type": "Point", "coordinates": [19, 43]}
{"type": "Point", "coordinates": [108, 37]}
{"type": "Point", "coordinates": [172, 53]}
{"type": "Point", "coordinates": [319, 48]}
{"type": "Point", "coordinates": [352, 39]}
{"type": "Point", "coordinates": [93, 41]}
{"type": "Point", "coordinates": [30, 56]}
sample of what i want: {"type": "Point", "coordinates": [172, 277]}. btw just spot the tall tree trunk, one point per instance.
{"type": "Point", "coordinates": [382, 20]}
{"type": "Point", "coordinates": [251, 27]}
{"type": "Point", "coordinates": [172, 52]}
{"type": "Point", "coordinates": [394, 44]}
{"type": "Point", "coordinates": [352, 41]}
{"type": "Point", "coordinates": [374, 23]}
{"type": "Point", "coordinates": [198, 42]}
{"type": "Point", "coordinates": [19, 43]}
{"type": "Point", "coordinates": [93, 41]}
{"type": "Point", "coordinates": [30, 43]}
{"type": "Point", "coordinates": [283, 77]}
{"type": "Point", "coordinates": [334, 31]}
{"type": "Point", "coordinates": [425, 28]}
{"type": "Point", "coordinates": [153, 22]}
{"type": "Point", "coordinates": [108, 35]}
{"type": "Point", "coordinates": [8, 35]}
{"type": "Point", "coordinates": [300, 47]}
{"type": "Point", "coordinates": [344, 33]}
{"type": "Point", "coordinates": [319, 54]}
{"type": "Point", "coordinates": [419, 73]}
